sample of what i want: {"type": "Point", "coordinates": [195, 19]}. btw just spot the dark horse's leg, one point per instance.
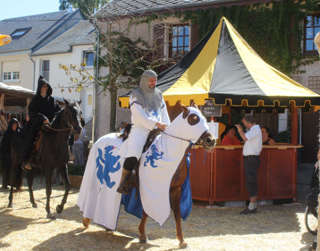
{"type": "Point", "coordinates": [175, 196]}
{"type": "Point", "coordinates": [142, 227]}
{"type": "Point", "coordinates": [10, 197]}
{"type": "Point", "coordinates": [30, 183]}
{"type": "Point", "coordinates": [64, 173]}
{"type": "Point", "coordinates": [48, 191]}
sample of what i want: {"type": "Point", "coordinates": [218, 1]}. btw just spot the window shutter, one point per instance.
{"type": "Point", "coordinates": [158, 38]}
{"type": "Point", "coordinates": [194, 35]}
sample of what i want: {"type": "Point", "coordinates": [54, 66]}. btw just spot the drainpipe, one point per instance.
{"type": "Point", "coordinates": [96, 73]}
{"type": "Point", "coordinates": [34, 72]}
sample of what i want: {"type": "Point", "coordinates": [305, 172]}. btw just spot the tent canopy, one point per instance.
{"type": "Point", "coordinates": [223, 67]}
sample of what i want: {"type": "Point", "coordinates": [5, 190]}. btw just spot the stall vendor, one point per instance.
{"type": "Point", "coordinates": [229, 136]}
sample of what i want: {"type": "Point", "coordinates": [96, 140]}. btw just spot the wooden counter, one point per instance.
{"type": "Point", "coordinates": [218, 175]}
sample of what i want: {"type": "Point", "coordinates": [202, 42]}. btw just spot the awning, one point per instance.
{"type": "Point", "coordinates": [223, 67]}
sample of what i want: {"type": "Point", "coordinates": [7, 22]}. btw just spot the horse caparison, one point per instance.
{"type": "Point", "coordinates": [177, 182]}
{"type": "Point", "coordinates": [53, 154]}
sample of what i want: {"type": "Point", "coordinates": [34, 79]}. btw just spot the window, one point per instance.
{"type": "Point", "coordinates": [179, 40]}
{"type": "Point", "coordinates": [9, 76]}
{"type": "Point", "coordinates": [45, 69]}
{"type": "Point", "coordinates": [88, 58]}
{"type": "Point", "coordinates": [19, 33]}
{"type": "Point", "coordinates": [312, 27]}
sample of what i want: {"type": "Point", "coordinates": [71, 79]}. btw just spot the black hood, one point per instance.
{"type": "Point", "coordinates": [11, 122]}
{"type": "Point", "coordinates": [41, 82]}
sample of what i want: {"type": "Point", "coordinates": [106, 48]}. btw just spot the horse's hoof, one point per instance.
{"type": "Point", "coordinates": [183, 245]}
{"type": "Point", "coordinates": [85, 222]}
{"type": "Point", "coordinates": [59, 209]}
{"type": "Point", "coordinates": [10, 206]}
{"type": "Point", "coordinates": [34, 205]}
{"type": "Point", "coordinates": [51, 216]}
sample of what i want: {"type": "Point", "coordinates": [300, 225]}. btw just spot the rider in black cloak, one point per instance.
{"type": "Point", "coordinates": [5, 148]}
{"type": "Point", "coordinates": [42, 110]}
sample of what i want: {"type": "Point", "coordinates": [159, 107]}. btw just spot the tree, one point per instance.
{"type": "Point", "coordinates": [87, 7]}
{"type": "Point", "coordinates": [125, 59]}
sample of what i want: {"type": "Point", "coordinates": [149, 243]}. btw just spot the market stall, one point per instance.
{"type": "Point", "coordinates": [226, 72]}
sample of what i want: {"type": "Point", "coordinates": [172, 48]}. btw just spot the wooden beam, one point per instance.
{"type": "Point", "coordinates": [294, 125]}
{"type": "Point", "coordinates": [2, 97]}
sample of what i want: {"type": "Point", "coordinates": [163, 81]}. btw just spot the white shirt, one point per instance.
{"type": "Point", "coordinates": [253, 145]}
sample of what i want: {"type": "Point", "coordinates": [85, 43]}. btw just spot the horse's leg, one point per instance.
{"type": "Point", "coordinates": [175, 195]}
{"type": "Point", "coordinates": [142, 227]}
{"type": "Point", "coordinates": [48, 191]}
{"type": "Point", "coordinates": [30, 183]}
{"type": "Point", "coordinates": [10, 197]}
{"type": "Point", "coordinates": [64, 173]}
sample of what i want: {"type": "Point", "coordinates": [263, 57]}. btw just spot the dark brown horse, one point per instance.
{"type": "Point", "coordinates": [177, 182]}
{"type": "Point", "coordinates": [53, 153]}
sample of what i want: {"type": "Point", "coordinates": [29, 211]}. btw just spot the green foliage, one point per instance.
{"type": "Point", "coordinates": [274, 30]}
{"type": "Point", "coordinates": [87, 7]}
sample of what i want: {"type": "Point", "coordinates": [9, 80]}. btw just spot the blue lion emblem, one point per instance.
{"type": "Point", "coordinates": [105, 164]}
{"type": "Point", "coordinates": [153, 155]}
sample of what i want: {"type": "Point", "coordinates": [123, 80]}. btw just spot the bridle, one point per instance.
{"type": "Point", "coordinates": [198, 143]}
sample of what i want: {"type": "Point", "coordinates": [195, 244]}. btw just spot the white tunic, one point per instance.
{"type": "Point", "coordinates": [143, 122]}
{"type": "Point", "coordinates": [253, 145]}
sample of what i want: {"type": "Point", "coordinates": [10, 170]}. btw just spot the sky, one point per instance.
{"type": "Point", "coordinates": [20, 8]}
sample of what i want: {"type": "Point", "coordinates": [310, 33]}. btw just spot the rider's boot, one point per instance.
{"type": "Point", "coordinates": [124, 182]}
{"type": "Point", "coordinates": [125, 185]}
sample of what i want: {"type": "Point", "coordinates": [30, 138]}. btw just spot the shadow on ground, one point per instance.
{"type": "Point", "coordinates": [98, 240]}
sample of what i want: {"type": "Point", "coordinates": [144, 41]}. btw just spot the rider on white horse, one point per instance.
{"type": "Point", "coordinates": [148, 111]}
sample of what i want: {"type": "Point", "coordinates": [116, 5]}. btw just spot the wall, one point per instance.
{"type": "Point", "coordinates": [20, 63]}
{"type": "Point", "coordinates": [143, 31]}
{"type": "Point", "coordinates": [311, 77]}
{"type": "Point", "coordinates": [61, 83]}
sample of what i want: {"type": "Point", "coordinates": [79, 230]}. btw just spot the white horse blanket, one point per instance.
{"type": "Point", "coordinates": [98, 199]}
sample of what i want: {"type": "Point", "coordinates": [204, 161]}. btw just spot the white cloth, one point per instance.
{"type": "Point", "coordinates": [98, 198]}
{"type": "Point", "coordinates": [214, 129]}
{"type": "Point", "coordinates": [143, 122]}
{"type": "Point", "coordinates": [160, 162]}
{"type": "Point", "coordinates": [253, 145]}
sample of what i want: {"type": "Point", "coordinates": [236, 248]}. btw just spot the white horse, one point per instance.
{"type": "Point", "coordinates": [162, 172]}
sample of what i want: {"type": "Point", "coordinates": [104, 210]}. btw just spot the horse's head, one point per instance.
{"type": "Point", "coordinates": [192, 125]}
{"type": "Point", "coordinates": [72, 115]}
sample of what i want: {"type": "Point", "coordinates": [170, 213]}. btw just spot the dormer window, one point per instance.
{"type": "Point", "coordinates": [19, 33]}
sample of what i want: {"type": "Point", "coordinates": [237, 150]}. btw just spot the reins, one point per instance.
{"type": "Point", "coordinates": [176, 137]}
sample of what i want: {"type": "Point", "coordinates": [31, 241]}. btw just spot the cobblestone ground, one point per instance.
{"type": "Point", "coordinates": [26, 228]}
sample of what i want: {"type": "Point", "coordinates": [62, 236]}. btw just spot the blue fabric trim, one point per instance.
{"type": "Point", "coordinates": [186, 196]}
{"type": "Point", "coordinates": [132, 203]}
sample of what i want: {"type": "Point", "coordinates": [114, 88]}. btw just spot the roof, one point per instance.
{"type": "Point", "coordinates": [15, 95]}
{"type": "Point", "coordinates": [43, 28]}
{"type": "Point", "coordinates": [15, 89]}
{"type": "Point", "coordinates": [223, 67]}
{"type": "Point", "coordinates": [116, 8]}
{"type": "Point", "coordinates": [80, 34]}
